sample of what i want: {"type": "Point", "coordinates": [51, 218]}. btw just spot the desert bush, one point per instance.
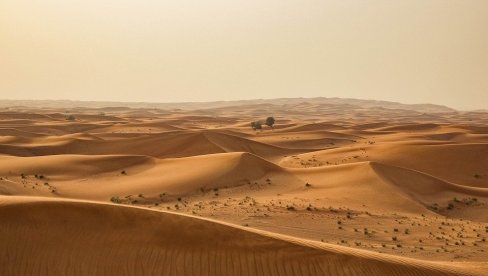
{"type": "Point", "coordinates": [290, 208]}
{"type": "Point", "coordinates": [256, 125]}
{"type": "Point", "coordinates": [115, 199]}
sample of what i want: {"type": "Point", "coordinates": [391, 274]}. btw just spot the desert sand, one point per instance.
{"type": "Point", "coordinates": [335, 187]}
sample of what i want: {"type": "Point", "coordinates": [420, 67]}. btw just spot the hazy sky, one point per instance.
{"type": "Point", "coordinates": [412, 51]}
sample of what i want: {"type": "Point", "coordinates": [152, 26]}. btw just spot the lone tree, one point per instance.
{"type": "Point", "coordinates": [256, 125]}
{"type": "Point", "coordinates": [270, 122]}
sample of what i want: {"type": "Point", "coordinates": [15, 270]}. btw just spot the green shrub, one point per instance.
{"type": "Point", "coordinates": [290, 208]}
{"type": "Point", "coordinates": [115, 199]}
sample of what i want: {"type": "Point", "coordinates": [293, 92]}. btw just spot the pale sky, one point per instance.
{"type": "Point", "coordinates": [411, 51]}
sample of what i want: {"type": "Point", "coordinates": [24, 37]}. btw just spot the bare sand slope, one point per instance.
{"type": "Point", "coordinates": [458, 163]}
{"type": "Point", "coordinates": [463, 163]}
{"type": "Point", "coordinates": [360, 188]}
{"type": "Point", "coordinates": [172, 144]}
{"type": "Point", "coordinates": [439, 196]}
{"type": "Point", "coordinates": [65, 167]}
{"type": "Point", "coordinates": [418, 183]}
{"type": "Point", "coordinates": [402, 190]}
{"type": "Point", "coordinates": [312, 140]}
{"type": "Point", "coordinates": [324, 126]}
{"type": "Point", "coordinates": [103, 176]}
{"type": "Point", "coordinates": [53, 237]}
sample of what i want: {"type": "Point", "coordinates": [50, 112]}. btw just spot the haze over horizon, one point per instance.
{"type": "Point", "coordinates": [182, 51]}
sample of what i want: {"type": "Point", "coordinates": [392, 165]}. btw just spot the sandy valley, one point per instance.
{"type": "Point", "coordinates": [335, 187]}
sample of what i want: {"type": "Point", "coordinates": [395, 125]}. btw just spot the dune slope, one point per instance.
{"type": "Point", "coordinates": [54, 237]}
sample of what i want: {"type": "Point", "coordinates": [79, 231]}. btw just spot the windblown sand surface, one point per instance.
{"type": "Point", "coordinates": [336, 188]}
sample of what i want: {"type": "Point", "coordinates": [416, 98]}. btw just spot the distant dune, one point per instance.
{"type": "Point", "coordinates": [428, 108]}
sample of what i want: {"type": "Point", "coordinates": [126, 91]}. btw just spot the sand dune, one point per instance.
{"type": "Point", "coordinates": [421, 183]}
{"type": "Point", "coordinates": [174, 144]}
{"type": "Point", "coordinates": [334, 188]}
{"type": "Point", "coordinates": [460, 163]}
{"type": "Point", "coordinates": [142, 174]}
{"type": "Point", "coordinates": [410, 127]}
{"type": "Point", "coordinates": [9, 115]}
{"type": "Point", "coordinates": [403, 190]}
{"type": "Point", "coordinates": [431, 191]}
{"type": "Point", "coordinates": [70, 166]}
{"type": "Point", "coordinates": [64, 237]}
{"type": "Point", "coordinates": [360, 188]}
{"type": "Point", "coordinates": [463, 161]}
{"type": "Point", "coordinates": [314, 127]}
